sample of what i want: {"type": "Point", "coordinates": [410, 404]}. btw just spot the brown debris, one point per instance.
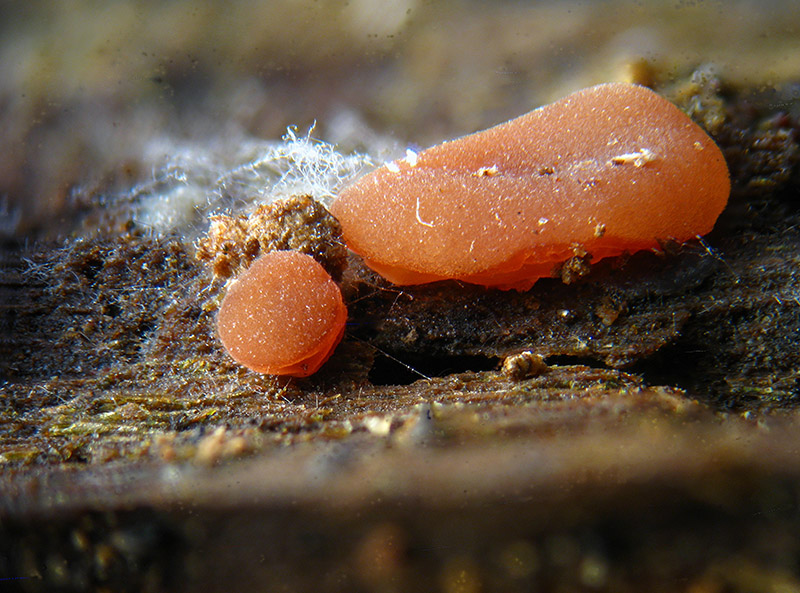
{"type": "Point", "coordinates": [299, 223]}
{"type": "Point", "coordinates": [223, 245]}
{"type": "Point", "coordinates": [575, 267]}
{"type": "Point", "coordinates": [523, 365]}
{"type": "Point", "coordinates": [609, 310]}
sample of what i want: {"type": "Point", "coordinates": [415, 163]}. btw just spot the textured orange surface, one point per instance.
{"type": "Point", "coordinates": [284, 315]}
{"type": "Point", "coordinates": [613, 168]}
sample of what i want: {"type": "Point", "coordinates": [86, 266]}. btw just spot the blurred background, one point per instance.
{"type": "Point", "coordinates": [95, 96]}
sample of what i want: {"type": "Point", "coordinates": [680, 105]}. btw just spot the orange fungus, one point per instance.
{"type": "Point", "coordinates": [284, 315]}
{"type": "Point", "coordinates": [609, 169]}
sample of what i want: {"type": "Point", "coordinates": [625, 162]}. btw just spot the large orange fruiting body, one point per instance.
{"type": "Point", "coordinates": [284, 315]}
{"type": "Point", "coordinates": [612, 168]}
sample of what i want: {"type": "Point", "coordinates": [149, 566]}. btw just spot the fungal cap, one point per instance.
{"type": "Point", "coordinates": [614, 168]}
{"type": "Point", "coordinates": [284, 315]}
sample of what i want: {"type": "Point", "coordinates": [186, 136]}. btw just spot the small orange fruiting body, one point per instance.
{"type": "Point", "coordinates": [284, 315]}
{"type": "Point", "coordinates": [613, 168]}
